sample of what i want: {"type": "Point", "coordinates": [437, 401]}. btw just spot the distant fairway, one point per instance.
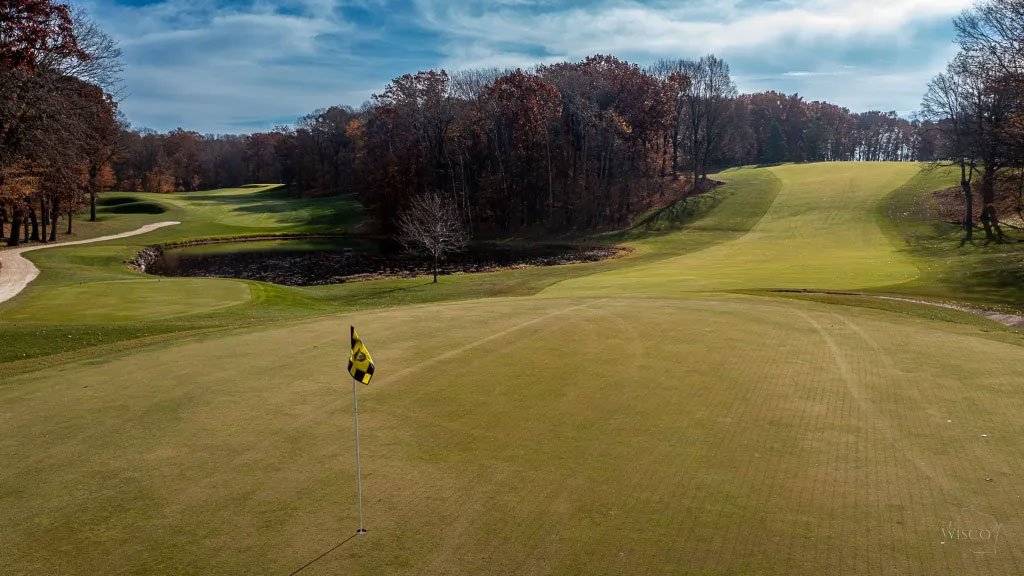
{"type": "Point", "coordinates": [819, 233]}
{"type": "Point", "coordinates": [637, 417]}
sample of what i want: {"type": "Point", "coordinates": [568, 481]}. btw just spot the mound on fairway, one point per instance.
{"type": "Point", "coordinates": [637, 418]}
{"type": "Point", "coordinates": [136, 208]}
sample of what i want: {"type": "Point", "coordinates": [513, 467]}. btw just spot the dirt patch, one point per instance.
{"type": "Point", "coordinates": [951, 204]}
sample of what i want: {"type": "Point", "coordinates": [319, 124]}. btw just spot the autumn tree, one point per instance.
{"type": "Point", "coordinates": [775, 148]}
{"type": "Point", "coordinates": [54, 65]}
{"type": "Point", "coordinates": [519, 108]}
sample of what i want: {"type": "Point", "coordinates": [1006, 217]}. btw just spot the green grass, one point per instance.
{"type": "Point", "coordinates": [567, 436]}
{"type": "Point", "coordinates": [87, 297]}
{"type": "Point", "coordinates": [61, 299]}
{"type": "Point", "coordinates": [990, 275]}
{"type": "Point", "coordinates": [817, 234]}
{"type": "Point", "coordinates": [634, 416]}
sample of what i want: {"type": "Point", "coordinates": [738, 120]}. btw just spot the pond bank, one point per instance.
{"type": "Point", "coordinates": [321, 260]}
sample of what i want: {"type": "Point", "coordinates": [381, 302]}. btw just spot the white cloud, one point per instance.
{"type": "Point", "coordinates": [621, 26]}
{"type": "Point", "coordinates": [822, 37]}
{"type": "Point", "coordinates": [220, 68]}
{"type": "Point", "coordinates": [212, 66]}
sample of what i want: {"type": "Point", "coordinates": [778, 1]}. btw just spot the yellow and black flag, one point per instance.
{"type": "Point", "coordinates": [360, 365]}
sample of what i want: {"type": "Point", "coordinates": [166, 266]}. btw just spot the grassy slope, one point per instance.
{"type": "Point", "coordinates": [86, 297]}
{"type": "Point", "coordinates": [988, 275]}
{"type": "Point", "coordinates": [813, 236]}
{"type": "Point", "coordinates": [708, 433]}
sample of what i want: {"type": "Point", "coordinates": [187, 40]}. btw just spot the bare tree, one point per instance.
{"type": "Point", "coordinates": [431, 225]}
{"type": "Point", "coordinates": [469, 84]}
{"type": "Point", "coordinates": [707, 102]}
{"type": "Point", "coordinates": [100, 60]}
{"type": "Point", "coordinates": [993, 31]}
{"type": "Point", "coordinates": [991, 38]}
{"type": "Point", "coordinates": [949, 105]}
{"type": "Point", "coordinates": [677, 84]}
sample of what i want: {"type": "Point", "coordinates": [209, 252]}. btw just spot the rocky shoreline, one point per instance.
{"type": "Point", "coordinates": [323, 267]}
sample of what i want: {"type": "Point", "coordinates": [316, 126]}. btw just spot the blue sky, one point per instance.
{"type": "Point", "coordinates": [245, 65]}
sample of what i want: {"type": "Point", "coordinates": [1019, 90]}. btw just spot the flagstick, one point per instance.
{"type": "Point", "coordinates": [359, 479]}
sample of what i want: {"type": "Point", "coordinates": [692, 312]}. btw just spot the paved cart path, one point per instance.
{"type": "Point", "coordinates": [16, 271]}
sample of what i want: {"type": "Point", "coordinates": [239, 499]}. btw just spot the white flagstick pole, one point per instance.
{"type": "Point", "coordinates": [359, 479]}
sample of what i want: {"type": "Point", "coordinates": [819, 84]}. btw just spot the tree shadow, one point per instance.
{"type": "Point", "coordinates": [320, 557]}
{"type": "Point", "coordinates": [379, 293]}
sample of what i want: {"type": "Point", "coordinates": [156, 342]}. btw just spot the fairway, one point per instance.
{"type": "Point", "coordinates": [639, 416]}
{"type": "Point", "coordinates": [819, 233]}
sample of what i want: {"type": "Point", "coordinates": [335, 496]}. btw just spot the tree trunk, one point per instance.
{"type": "Point", "coordinates": [965, 185]}
{"type": "Point", "coordinates": [43, 217]}
{"type": "Point", "coordinates": [664, 153]}
{"type": "Point", "coordinates": [435, 269]}
{"type": "Point", "coordinates": [1020, 191]}
{"type": "Point", "coordinates": [695, 161]}
{"type": "Point", "coordinates": [54, 216]}
{"type": "Point", "coordinates": [70, 214]}
{"type": "Point", "coordinates": [92, 206]}
{"type": "Point", "coordinates": [35, 224]}
{"type": "Point", "coordinates": [675, 150]}
{"type": "Point", "coordinates": [13, 239]}
{"type": "Point", "coordinates": [551, 182]}
{"type": "Point", "coordinates": [989, 217]}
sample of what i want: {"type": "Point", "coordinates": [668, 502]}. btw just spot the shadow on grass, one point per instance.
{"type": "Point", "coordinates": [320, 557]}
{"type": "Point", "coordinates": [135, 208]}
{"type": "Point", "coordinates": [280, 192]}
{"type": "Point", "coordinates": [377, 294]}
{"type": "Point", "coordinates": [102, 201]}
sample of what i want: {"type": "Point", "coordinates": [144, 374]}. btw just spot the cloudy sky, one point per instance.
{"type": "Point", "coordinates": [244, 65]}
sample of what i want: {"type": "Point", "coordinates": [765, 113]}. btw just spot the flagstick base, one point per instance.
{"type": "Point", "coordinates": [360, 531]}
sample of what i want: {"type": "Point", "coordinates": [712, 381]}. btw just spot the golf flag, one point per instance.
{"type": "Point", "coordinates": [360, 365]}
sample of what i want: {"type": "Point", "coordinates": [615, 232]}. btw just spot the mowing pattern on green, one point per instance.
{"type": "Point", "coordinates": [820, 233]}
{"type": "Point", "coordinates": [716, 435]}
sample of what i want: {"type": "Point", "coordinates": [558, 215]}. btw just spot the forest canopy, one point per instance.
{"type": "Point", "coordinates": [572, 145]}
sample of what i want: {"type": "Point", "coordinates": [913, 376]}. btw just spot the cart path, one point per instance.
{"type": "Point", "coordinates": [16, 271]}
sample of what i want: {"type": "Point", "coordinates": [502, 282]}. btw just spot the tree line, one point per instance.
{"type": "Point", "coordinates": [58, 117]}
{"type": "Point", "coordinates": [975, 111]}
{"type": "Point", "coordinates": [570, 145]}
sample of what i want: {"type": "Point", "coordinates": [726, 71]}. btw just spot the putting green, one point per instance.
{"type": "Point", "coordinates": [589, 431]}
{"type": "Point", "coordinates": [707, 435]}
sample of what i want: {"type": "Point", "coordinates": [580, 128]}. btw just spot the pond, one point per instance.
{"type": "Point", "coordinates": [315, 262]}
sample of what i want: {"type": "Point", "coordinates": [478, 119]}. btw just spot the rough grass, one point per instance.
{"type": "Point", "coordinates": [687, 431]}
{"type": "Point", "coordinates": [990, 275]}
